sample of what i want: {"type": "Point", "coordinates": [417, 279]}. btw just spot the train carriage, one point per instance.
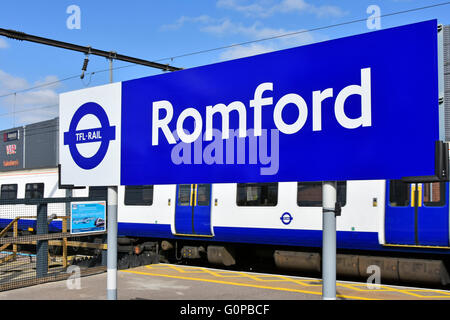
{"type": "Point", "coordinates": [387, 220]}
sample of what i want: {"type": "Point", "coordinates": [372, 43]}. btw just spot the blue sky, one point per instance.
{"type": "Point", "coordinates": [158, 31]}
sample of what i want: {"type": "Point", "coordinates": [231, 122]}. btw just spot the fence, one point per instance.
{"type": "Point", "coordinates": [40, 239]}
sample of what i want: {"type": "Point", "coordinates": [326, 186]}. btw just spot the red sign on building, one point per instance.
{"type": "Point", "coordinates": [11, 149]}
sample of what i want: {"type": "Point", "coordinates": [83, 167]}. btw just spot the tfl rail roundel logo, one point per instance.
{"type": "Point", "coordinates": [286, 218]}
{"type": "Point", "coordinates": [104, 134]}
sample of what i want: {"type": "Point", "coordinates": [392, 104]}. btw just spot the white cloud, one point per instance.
{"type": "Point", "coordinates": [265, 8]}
{"type": "Point", "coordinates": [255, 31]}
{"type": "Point", "coordinates": [23, 118]}
{"type": "Point", "coordinates": [249, 9]}
{"type": "Point", "coordinates": [273, 38]}
{"type": "Point", "coordinates": [245, 51]}
{"type": "Point", "coordinates": [3, 44]}
{"type": "Point", "coordinates": [10, 83]}
{"type": "Point", "coordinates": [251, 49]}
{"type": "Point", "coordinates": [226, 27]}
{"type": "Point", "coordinates": [29, 100]}
{"type": "Point", "coordinates": [184, 19]}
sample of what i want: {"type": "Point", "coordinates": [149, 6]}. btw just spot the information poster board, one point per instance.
{"type": "Point", "coordinates": [87, 217]}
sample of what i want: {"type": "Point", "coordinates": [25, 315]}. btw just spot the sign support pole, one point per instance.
{"type": "Point", "coordinates": [112, 244]}
{"type": "Point", "coordinates": [112, 230]}
{"type": "Point", "coordinates": [329, 241]}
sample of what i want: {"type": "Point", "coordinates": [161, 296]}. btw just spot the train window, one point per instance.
{"type": "Point", "coordinates": [309, 194]}
{"type": "Point", "coordinates": [9, 191]}
{"type": "Point", "coordinates": [139, 195]}
{"type": "Point", "coordinates": [434, 194]}
{"type": "Point", "coordinates": [34, 191]}
{"type": "Point", "coordinates": [399, 194]}
{"type": "Point", "coordinates": [257, 194]}
{"type": "Point", "coordinates": [203, 194]}
{"type": "Point", "coordinates": [184, 195]}
{"type": "Point", "coordinates": [100, 193]}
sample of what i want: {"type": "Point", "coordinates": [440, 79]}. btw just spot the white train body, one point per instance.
{"type": "Point", "coordinates": [361, 225]}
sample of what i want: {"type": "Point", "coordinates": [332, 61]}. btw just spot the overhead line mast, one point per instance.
{"type": "Point", "coordinates": [21, 36]}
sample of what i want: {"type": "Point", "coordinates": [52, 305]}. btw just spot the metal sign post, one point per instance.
{"type": "Point", "coordinates": [112, 230]}
{"type": "Point", "coordinates": [329, 196]}
{"type": "Point", "coordinates": [112, 244]}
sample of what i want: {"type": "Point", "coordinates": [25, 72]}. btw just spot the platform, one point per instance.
{"type": "Point", "coordinates": [177, 282]}
{"type": "Point", "coordinates": [297, 287]}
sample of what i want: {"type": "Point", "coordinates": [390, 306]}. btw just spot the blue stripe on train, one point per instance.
{"type": "Point", "coordinates": [24, 224]}
{"type": "Point", "coordinates": [305, 238]}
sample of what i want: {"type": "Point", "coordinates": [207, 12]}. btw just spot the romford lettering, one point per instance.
{"type": "Point", "coordinates": [257, 103]}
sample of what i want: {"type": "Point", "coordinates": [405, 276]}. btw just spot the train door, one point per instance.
{"type": "Point", "coordinates": [193, 209]}
{"type": "Point", "coordinates": [417, 213]}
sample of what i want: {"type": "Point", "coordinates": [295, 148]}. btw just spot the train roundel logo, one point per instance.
{"type": "Point", "coordinates": [286, 218]}
{"type": "Point", "coordinates": [104, 134]}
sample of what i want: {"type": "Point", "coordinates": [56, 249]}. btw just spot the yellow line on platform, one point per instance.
{"type": "Point", "coordinates": [359, 287]}
{"type": "Point", "coordinates": [242, 284]}
{"type": "Point", "coordinates": [415, 246]}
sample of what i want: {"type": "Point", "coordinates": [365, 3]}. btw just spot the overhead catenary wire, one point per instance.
{"type": "Point", "coordinates": [27, 110]}
{"type": "Point", "coordinates": [240, 44]}
{"type": "Point", "coordinates": [62, 80]}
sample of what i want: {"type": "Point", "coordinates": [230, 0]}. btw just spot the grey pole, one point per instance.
{"type": "Point", "coordinates": [111, 70]}
{"type": "Point", "coordinates": [112, 230]}
{"type": "Point", "coordinates": [112, 244]}
{"type": "Point", "coordinates": [329, 241]}
{"type": "Point", "coordinates": [41, 245]}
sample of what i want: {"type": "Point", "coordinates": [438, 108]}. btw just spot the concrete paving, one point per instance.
{"type": "Point", "coordinates": [175, 282]}
{"type": "Point", "coordinates": [133, 286]}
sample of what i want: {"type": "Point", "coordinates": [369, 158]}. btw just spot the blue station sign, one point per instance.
{"type": "Point", "coordinates": [355, 108]}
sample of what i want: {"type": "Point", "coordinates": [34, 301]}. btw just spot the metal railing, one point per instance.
{"type": "Point", "coordinates": [36, 245]}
